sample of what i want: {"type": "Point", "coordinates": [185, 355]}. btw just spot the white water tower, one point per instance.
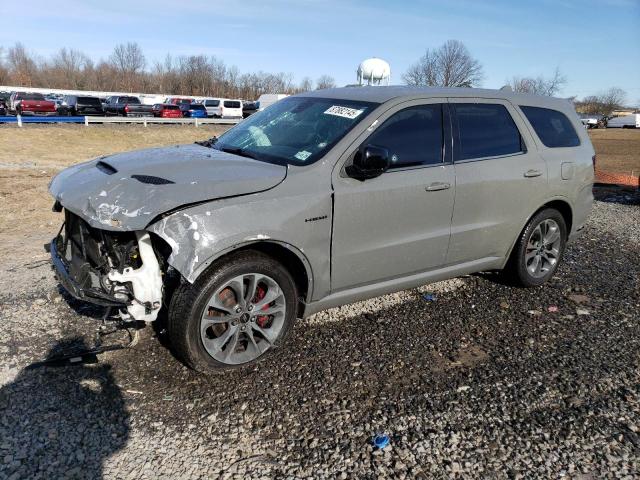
{"type": "Point", "coordinates": [374, 71]}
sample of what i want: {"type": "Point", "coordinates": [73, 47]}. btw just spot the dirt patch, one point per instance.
{"type": "Point", "coordinates": [617, 149]}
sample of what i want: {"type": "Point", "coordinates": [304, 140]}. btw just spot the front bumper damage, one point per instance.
{"type": "Point", "coordinates": [107, 269]}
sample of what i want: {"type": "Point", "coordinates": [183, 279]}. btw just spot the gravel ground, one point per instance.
{"type": "Point", "coordinates": [487, 381]}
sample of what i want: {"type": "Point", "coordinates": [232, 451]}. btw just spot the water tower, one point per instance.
{"type": "Point", "coordinates": [374, 71]}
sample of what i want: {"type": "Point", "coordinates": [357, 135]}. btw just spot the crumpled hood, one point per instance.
{"type": "Point", "coordinates": [127, 190]}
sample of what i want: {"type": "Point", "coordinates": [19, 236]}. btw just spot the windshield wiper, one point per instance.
{"type": "Point", "coordinates": [208, 143]}
{"type": "Point", "coordinates": [239, 151]}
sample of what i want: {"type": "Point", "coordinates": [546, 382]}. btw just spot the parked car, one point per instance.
{"type": "Point", "coordinates": [249, 108]}
{"type": "Point", "coordinates": [179, 100]}
{"type": "Point", "coordinates": [626, 121]}
{"type": "Point", "coordinates": [3, 109]}
{"type": "Point", "coordinates": [591, 120]}
{"type": "Point", "coordinates": [76, 105]}
{"type": "Point", "coordinates": [21, 103]}
{"type": "Point", "coordinates": [166, 110]}
{"type": "Point", "coordinates": [213, 106]}
{"type": "Point", "coordinates": [195, 110]}
{"type": "Point", "coordinates": [127, 106]}
{"type": "Point", "coordinates": [231, 109]}
{"type": "Point", "coordinates": [323, 199]}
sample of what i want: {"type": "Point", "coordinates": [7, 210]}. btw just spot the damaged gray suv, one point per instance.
{"type": "Point", "coordinates": [322, 199]}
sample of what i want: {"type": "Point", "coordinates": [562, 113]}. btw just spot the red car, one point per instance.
{"type": "Point", "coordinates": [22, 103]}
{"type": "Point", "coordinates": [165, 110]}
{"type": "Point", "coordinates": [179, 100]}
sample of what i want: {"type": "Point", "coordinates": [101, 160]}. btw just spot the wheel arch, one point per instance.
{"type": "Point", "coordinates": [288, 255]}
{"type": "Point", "coordinates": [560, 204]}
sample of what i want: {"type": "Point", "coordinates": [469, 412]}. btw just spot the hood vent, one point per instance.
{"type": "Point", "coordinates": [106, 168]}
{"type": "Point", "coordinates": [150, 179]}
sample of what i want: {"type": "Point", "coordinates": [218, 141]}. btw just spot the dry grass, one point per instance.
{"type": "Point", "coordinates": [617, 149]}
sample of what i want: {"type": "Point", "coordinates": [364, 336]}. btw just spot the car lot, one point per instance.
{"type": "Point", "coordinates": [486, 381]}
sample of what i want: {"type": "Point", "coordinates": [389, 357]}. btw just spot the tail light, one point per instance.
{"type": "Point", "coordinates": [126, 108]}
{"type": "Point", "coordinates": [593, 160]}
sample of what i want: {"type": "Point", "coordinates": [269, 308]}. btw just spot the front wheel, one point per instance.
{"type": "Point", "coordinates": [237, 312]}
{"type": "Point", "coordinates": [538, 251]}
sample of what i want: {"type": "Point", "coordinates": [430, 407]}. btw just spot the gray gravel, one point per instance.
{"type": "Point", "coordinates": [485, 382]}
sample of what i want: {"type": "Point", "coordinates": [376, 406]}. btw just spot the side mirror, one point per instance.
{"type": "Point", "coordinates": [369, 162]}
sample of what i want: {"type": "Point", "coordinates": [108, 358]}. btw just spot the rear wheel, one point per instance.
{"type": "Point", "coordinates": [236, 313]}
{"type": "Point", "coordinates": [537, 254]}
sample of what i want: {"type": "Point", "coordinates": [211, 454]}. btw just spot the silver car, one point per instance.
{"type": "Point", "coordinates": [323, 199]}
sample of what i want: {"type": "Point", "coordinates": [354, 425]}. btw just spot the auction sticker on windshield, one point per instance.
{"type": "Point", "coordinates": [345, 112]}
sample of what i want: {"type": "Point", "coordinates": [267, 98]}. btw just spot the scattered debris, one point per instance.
{"type": "Point", "coordinates": [535, 313]}
{"type": "Point", "coordinates": [429, 297]}
{"type": "Point", "coordinates": [381, 440]}
{"type": "Point", "coordinates": [552, 308]}
{"type": "Point", "coordinates": [577, 298]}
{"type": "Point", "coordinates": [581, 311]}
{"type": "Point", "coordinates": [463, 388]}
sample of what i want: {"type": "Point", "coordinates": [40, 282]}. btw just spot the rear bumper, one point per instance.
{"type": "Point", "coordinates": [73, 287]}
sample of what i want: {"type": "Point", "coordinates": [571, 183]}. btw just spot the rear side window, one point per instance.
{"type": "Point", "coordinates": [231, 104]}
{"type": "Point", "coordinates": [171, 107]}
{"type": "Point", "coordinates": [553, 127]}
{"type": "Point", "coordinates": [485, 130]}
{"type": "Point", "coordinates": [412, 136]}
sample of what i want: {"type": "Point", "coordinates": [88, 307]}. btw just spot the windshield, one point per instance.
{"type": "Point", "coordinates": [32, 96]}
{"type": "Point", "coordinates": [295, 130]}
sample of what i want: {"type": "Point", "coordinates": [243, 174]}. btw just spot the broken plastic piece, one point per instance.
{"type": "Point", "coordinates": [381, 440]}
{"type": "Point", "coordinates": [429, 297]}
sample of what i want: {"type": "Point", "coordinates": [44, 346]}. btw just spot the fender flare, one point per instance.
{"type": "Point", "coordinates": [219, 254]}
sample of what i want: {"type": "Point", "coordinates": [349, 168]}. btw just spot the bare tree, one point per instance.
{"type": "Point", "coordinates": [450, 65]}
{"type": "Point", "coordinates": [324, 82]}
{"type": "Point", "coordinates": [5, 77]}
{"type": "Point", "coordinates": [67, 69]}
{"type": "Point", "coordinates": [605, 103]}
{"type": "Point", "coordinates": [306, 85]}
{"type": "Point", "coordinates": [539, 85]}
{"type": "Point", "coordinates": [129, 61]}
{"type": "Point", "coordinates": [23, 67]}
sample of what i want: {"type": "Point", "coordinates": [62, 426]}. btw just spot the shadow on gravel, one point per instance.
{"type": "Point", "coordinates": [61, 422]}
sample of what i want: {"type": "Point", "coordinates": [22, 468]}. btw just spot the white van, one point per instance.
{"type": "Point", "coordinates": [231, 108]}
{"type": "Point", "coordinates": [626, 121]}
{"type": "Point", "coordinates": [212, 105]}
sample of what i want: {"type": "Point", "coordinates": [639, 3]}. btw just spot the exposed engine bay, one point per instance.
{"type": "Point", "coordinates": [113, 269]}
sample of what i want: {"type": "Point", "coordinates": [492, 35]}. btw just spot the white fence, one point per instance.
{"type": "Point", "coordinates": [20, 120]}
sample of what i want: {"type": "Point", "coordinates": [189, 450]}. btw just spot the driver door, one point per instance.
{"type": "Point", "coordinates": [398, 223]}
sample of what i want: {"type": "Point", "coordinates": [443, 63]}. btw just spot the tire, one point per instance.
{"type": "Point", "coordinates": [538, 251]}
{"type": "Point", "coordinates": [237, 338]}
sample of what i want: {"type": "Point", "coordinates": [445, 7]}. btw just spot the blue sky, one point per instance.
{"type": "Point", "coordinates": [595, 43]}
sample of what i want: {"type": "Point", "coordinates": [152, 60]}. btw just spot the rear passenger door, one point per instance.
{"type": "Point", "coordinates": [500, 178]}
{"type": "Point", "coordinates": [398, 223]}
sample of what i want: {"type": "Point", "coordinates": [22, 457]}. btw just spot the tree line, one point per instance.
{"type": "Point", "coordinates": [128, 70]}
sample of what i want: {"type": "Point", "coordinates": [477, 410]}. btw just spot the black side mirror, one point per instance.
{"type": "Point", "coordinates": [369, 162]}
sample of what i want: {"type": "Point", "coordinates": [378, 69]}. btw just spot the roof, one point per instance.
{"type": "Point", "coordinates": [381, 94]}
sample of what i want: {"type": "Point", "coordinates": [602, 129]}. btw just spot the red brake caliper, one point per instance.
{"type": "Point", "coordinates": [261, 320]}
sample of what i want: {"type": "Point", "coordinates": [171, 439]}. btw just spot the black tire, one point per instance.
{"type": "Point", "coordinates": [189, 301]}
{"type": "Point", "coordinates": [516, 270]}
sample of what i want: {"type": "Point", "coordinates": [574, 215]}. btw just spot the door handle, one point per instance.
{"type": "Point", "coordinates": [435, 186]}
{"type": "Point", "coordinates": [532, 173]}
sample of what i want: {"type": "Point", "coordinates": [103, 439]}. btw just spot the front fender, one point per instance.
{"type": "Point", "coordinates": [203, 233]}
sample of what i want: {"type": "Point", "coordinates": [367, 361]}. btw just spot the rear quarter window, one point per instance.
{"type": "Point", "coordinates": [552, 127]}
{"type": "Point", "coordinates": [486, 130]}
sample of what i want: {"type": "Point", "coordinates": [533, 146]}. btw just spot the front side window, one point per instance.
{"type": "Point", "coordinates": [553, 127]}
{"type": "Point", "coordinates": [485, 130]}
{"type": "Point", "coordinates": [412, 136]}
{"type": "Point", "coordinates": [295, 130]}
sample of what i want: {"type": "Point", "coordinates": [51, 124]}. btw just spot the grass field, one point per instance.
{"type": "Point", "coordinates": [618, 149]}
